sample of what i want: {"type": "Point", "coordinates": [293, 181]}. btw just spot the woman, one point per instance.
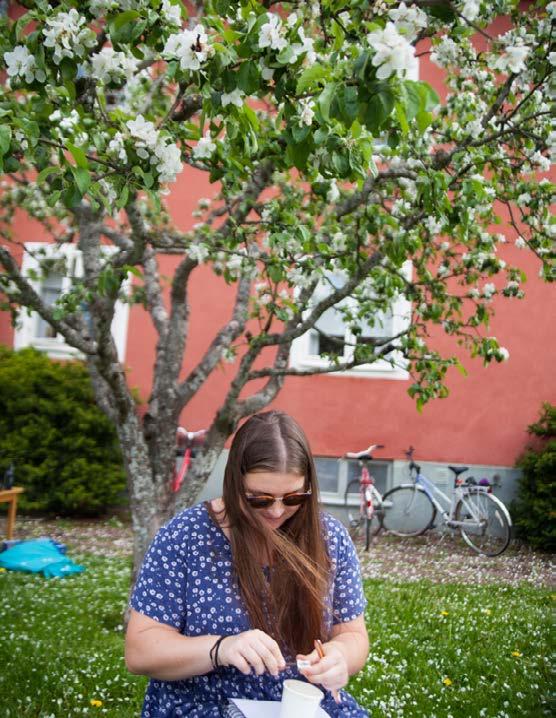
{"type": "Point", "coordinates": [233, 591]}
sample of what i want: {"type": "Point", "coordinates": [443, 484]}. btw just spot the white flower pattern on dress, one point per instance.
{"type": "Point", "coordinates": [187, 581]}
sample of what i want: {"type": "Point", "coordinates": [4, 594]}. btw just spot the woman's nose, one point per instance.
{"type": "Point", "coordinates": [277, 509]}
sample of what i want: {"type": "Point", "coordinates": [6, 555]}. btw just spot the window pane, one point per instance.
{"type": "Point", "coordinates": [327, 473]}
{"type": "Point", "coordinates": [51, 289]}
{"type": "Point", "coordinates": [379, 471]}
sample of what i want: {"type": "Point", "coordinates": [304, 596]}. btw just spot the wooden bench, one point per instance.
{"type": "Point", "coordinates": [10, 496]}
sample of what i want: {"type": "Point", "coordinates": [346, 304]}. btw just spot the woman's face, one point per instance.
{"type": "Point", "coordinates": [274, 484]}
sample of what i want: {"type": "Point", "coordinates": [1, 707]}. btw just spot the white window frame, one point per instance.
{"type": "Point", "coordinates": [25, 334]}
{"type": "Point", "coordinates": [301, 357]}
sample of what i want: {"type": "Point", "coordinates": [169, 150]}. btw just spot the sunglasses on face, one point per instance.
{"type": "Point", "coordinates": [265, 501]}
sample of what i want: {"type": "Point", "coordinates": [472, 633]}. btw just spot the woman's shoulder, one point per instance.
{"type": "Point", "coordinates": [335, 533]}
{"type": "Point", "coordinates": [188, 521]}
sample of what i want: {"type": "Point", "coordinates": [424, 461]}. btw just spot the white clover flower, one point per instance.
{"type": "Point", "coordinates": [393, 53]}
{"type": "Point", "coordinates": [408, 21]}
{"type": "Point", "coordinates": [520, 243]}
{"type": "Point", "coordinates": [171, 13]}
{"type": "Point", "coordinates": [513, 60]}
{"type": "Point", "coordinates": [271, 34]}
{"type": "Point", "coordinates": [333, 193]}
{"type": "Point", "coordinates": [489, 290]}
{"type": "Point", "coordinates": [116, 147]}
{"type": "Point", "coordinates": [445, 53]}
{"type": "Point", "coordinates": [233, 98]}
{"type": "Point", "coordinates": [307, 113]}
{"type": "Point", "coordinates": [470, 9]}
{"type": "Point", "coordinates": [111, 66]}
{"type": "Point", "coordinates": [198, 252]}
{"type": "Point", "coordinates": [190, 47]}
{"type": "Point", "coordinates": [67, 33]}
{"type": "Point", "coordinates": [20, 63]}
{"type": "Point", "coordinates": [204, 148]}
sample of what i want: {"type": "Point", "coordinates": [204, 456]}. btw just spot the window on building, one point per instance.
{"type": "Point", "coordinates": [51, 271]}
{"type": "Point", "coordinates": [334, 476]}
{"type": "Point", "coordinates": [331, 334]}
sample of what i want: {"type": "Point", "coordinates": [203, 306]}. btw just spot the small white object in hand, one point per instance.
{"type": "Point", "coordinates": [302, 663]}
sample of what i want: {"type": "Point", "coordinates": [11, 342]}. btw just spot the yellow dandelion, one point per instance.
{"type": "Point", "coordinates": [2, 570]}
{"type": "Point", "coordinates": [444, 613]}
{"type": "Point", "coordinates": [487, 611]}
{"type": "Point", "coordinates": [96, 703]}
{"type": "Point", "coordinates": [517, 654]}
{"type": "Point", "coordinates": [447, 681]}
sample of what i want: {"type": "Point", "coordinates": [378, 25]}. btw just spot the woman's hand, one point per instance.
{"type": "Point", "coordinates": [252, 650]}
{"type": "Point", "coordinates": [331, 672]}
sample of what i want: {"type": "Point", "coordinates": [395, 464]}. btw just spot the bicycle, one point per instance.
{"type": "Point", "coordinates": [367, 512]}
{"type": "Point", "coordinates": [482, 519]}
{"type": "Point", "coordinates": [186, 441]}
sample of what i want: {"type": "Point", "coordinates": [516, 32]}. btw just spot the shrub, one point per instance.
{"type": "Point", "coordinates": [64, 449]}
{"type": "Point", "coordinates": [533, 511]}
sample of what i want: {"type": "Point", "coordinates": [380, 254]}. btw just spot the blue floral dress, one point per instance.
{"type": "Point", "coordinates": [187, 581]}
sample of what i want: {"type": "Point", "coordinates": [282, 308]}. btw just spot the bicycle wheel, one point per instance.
{"type": "Point", "coordinates": [487, 523]}
{"type": "Point", "coordinates": [358, 524]}
{"type": "Point", "coordinates": [407, 511]}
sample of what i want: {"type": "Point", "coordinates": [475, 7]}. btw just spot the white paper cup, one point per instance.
{"type": "Point", "coordinates": [300, 699]}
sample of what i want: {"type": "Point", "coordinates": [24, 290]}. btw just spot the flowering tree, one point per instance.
{"type": "Point", "coordinates": [334, 169]}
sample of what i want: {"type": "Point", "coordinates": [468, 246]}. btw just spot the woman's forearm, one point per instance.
{"type": "Point", "coordinates": [355, 648]}
{"type": "Point", "coordinates": [161, 652]}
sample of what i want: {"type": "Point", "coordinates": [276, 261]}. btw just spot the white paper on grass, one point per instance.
{"type": "Point", "coordinates": [265, 709]}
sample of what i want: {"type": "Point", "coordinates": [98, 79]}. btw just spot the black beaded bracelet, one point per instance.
{"type": "Point", "coordinates": [213, 653]}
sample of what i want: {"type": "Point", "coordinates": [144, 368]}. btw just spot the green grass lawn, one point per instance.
{"type": "Point", "coordinates": [438, 650]}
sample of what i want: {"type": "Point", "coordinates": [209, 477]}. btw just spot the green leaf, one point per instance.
{"type": "Point", "coordinates": [325, 100]}
{"type": "Point", "coordinates": [286, 55]}
{"type": "Point", "coordinates": [122, 199]}
{"type": "Point", "coordinates": [248, 77]}
{"type": "Point", "coordinates": [423, 119]}
{"type": "Point", "coordinates": [412, 100]}
{"type": "Point", "coordinates": [122, 19]}
{"type": "Point", "coordinates": [300, 132]}
{"type": "Point", "coordinates": [78, 155]}
{"type": "Point", "coordinates": [310, 77]}
{"type": "Point", "coordinates": [5, 139]}
{"type": "Point", "coordinates": [275, 272]}
{"type": "Point", "coordinates": [47, 171]}
{"type": "Point", "coordinates": [252, 117]}
{"type": "Point", "coordinates": [402, 118]}
{"type": "Point", "coordinates": [82, 178]}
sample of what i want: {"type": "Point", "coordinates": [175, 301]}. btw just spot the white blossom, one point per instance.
{"type": "Point", "coordinates": [520, 243]}
{"type": "Point", "coordinates": [171, 13]}
{"type": "Point", "coordinates": [167, 159]}
{"type": "Point", "coordinates": [292, 19]}
{"type": "Point", "coordinates": [445, 53]}
{"type": "Point", "coordinates": [540, 161]}
{"type": "Point", "coordinates": [233, 98]}
{"type": "Point", "coordinates": [266, 72]}
{"type": "Point", "coordinates": [470, 9]}
{"type": "Point", "coordinates": [198, 252]}
{"type": "Point", "coordinates": [111, 66]}
{"type": "Point", "coordinates": [305, 47]}
{"type": "Point", "coordinates": [551, 10]}
{"type": "Point", "coordinates": [20, 63]}
{"type": "Point", "coordinates": [393, 53]}
{"type": "Point", "coordinates": [271, 34]}
{"type": "Point", "coordinates": [503, 354]}
{"type": "Point", "coordinates": [523, 199]}
{"type": "Point", "coordinates": [307, 113]}
{"type": "Point", "coordinates": [488, 290]}
{"type": "Point", "coordinates": [102, 7]}
{"type": "Point", "coordinates": [552, 58]}
{"type": "Point", "coordinates": [333, 193]}
{"type": "Point", "coordinates": [67, 33]}
{"type": "Point", "coordinates": [433, 224]}
{"type": "Point", "coordinates": [145, 134]}
{"type": "Point", "coordinates": [513, 60]}
{"type": "Point", "coordinates": [408, 20]}
{"type": "Point", "coordinates": [116, 147]}
{"type": "Point", "coordinates": [190, 47]}
{"type": "Point", "coordinates": [204, 148]}
{"type": "Point", "coordinates": [474, 128]}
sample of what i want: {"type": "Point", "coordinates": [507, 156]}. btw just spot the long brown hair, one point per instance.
{"type": "Point", "coordinates": [291, 607]}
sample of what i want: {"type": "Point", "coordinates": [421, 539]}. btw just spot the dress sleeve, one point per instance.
{"type": "Point", "coordinates": [348, 600]}
{"type": "Point", "coordinates": [159, 591]}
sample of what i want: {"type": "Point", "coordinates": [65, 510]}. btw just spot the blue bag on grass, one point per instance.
{"type": "Point", "coordinates": [39, 556]}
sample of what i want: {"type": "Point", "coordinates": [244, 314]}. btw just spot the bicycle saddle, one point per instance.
{"type": "Point", "coordinates": [365, 454]}
{"type": "Point", "coordinates": [458, 469]}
